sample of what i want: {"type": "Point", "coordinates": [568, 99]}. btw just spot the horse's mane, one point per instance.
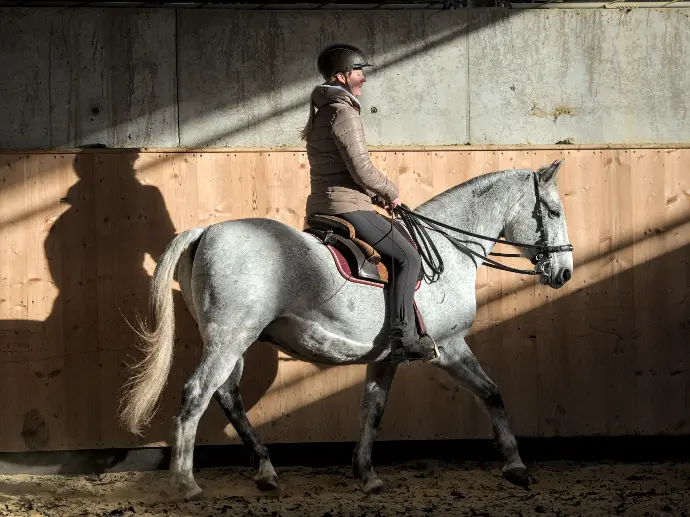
{"type": "Point", "coordinates": [480, 184]}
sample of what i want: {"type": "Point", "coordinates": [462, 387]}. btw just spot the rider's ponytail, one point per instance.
{"type": "Point", "coordinates": [306, 132]}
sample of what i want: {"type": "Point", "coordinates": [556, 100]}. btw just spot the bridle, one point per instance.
{"type": "Point", "coordinates": [542, 258]}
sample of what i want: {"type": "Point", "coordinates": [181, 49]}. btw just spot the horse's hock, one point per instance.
{"type": "Point", "coordinates": [585, 360]}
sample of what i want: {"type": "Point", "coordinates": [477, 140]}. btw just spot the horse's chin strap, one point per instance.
{"type": "Point", "coordinates": [541, 259]}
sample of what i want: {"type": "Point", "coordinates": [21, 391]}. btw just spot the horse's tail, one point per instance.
{"type": "Point", "coordinates": [149, 376]}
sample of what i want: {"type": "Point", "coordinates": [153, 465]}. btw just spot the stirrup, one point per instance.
{"type": "Point", "coordinates": [420, 351]}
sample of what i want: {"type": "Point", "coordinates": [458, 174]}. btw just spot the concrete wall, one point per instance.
{"type": "Point", "coordinates": [161, 78]}
{"type": "Point", "coordinates": [82, 76]}
{"type": "Point", "coordinates": [592, 76]}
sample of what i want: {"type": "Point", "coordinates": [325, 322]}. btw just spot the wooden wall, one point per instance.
{"type": "Point", "coordinates": [80, 233]}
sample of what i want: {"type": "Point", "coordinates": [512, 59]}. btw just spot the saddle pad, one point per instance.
{"type": "Point", "coordinates": [344, 268]}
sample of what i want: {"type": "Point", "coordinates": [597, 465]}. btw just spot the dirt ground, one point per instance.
{"type": "Point", "coordinates": [417, 488]}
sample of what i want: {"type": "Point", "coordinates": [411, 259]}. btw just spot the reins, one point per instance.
{"type": "Point", "coordinates": [418, 224]}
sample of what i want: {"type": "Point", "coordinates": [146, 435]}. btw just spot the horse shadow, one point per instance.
{"type": "Point", "coordinates": [66, 372]}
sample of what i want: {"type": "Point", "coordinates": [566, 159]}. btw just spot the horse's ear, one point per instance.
{"type": "Point", "coordinates": [548, 174]}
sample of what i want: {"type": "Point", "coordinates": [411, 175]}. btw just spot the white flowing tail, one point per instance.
{"type": "Point", "coordinates": [150, 375]}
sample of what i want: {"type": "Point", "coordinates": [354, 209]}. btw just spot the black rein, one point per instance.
{"type": "Point", "coordinates": [434, 261]}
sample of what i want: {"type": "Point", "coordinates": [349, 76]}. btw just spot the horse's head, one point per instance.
{"type": "Point", "coordinates": [538, 218]}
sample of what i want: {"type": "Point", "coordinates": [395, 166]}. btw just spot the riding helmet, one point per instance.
{"type": "Point", "coordinates": [340, 58]}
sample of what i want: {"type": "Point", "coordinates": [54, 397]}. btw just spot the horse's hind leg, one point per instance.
{"type": "Point", "coordinates": [228, 396]}
{"type": "Point", "coordinates": [222, 349]}
{"type": "Point", "coordinates": [378, 382]}
{"type": "Point", "coordinates": [459, 361]}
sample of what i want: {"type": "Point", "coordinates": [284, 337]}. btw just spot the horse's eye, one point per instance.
{"type": "Point", "coordinates": [553, 214]}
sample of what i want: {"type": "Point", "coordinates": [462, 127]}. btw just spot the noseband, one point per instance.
{"type": "Point", "coordinates": [542, 258]}
{"type": "Point", "coordinates": [544, 252]}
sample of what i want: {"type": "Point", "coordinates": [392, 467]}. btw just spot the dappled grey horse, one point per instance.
{"type": "Point", "coordinates": [259, 279]}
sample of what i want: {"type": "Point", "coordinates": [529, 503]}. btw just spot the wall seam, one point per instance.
{"type": "Point", "coordinates": [177, 77]}
{"type": "Point", "coordinates": [468, 139]}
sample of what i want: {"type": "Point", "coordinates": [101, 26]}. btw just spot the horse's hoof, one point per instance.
{"type": "Point", "coordinates": [267, 483]}
{"type": "Point", "coordinates": [194, 494]}
{"type": "Point", "coordinates": [517, 476]}
{"type": "Point", "coordinates": [372, 486]}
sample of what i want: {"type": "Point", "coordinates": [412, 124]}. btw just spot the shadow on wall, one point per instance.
{"type": "Point", "coordinates": [75, 359]}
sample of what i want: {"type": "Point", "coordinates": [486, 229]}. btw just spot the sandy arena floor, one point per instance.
{"type": "Point", "coordinates": [417, 488]}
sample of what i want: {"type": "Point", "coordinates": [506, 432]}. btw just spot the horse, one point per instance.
{"type": "Point", "coordinates": [257, 279]}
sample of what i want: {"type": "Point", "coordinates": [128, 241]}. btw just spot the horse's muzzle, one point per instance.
{"type": "Point", "coordinates": [559, 280]}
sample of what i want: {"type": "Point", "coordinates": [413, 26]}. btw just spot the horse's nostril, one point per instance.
{"type": "Point", "coordinates": [566, 275]}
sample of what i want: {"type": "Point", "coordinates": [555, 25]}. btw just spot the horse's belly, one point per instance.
{"type": "Point", "coordinates": [325, 340]}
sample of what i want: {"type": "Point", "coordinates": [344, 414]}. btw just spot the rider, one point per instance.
{"type": "Point", "coordinates": [344, 181]}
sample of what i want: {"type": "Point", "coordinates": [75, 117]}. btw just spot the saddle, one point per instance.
{"type": "Point", "coordinates": [354, 257]}
{"type": "Point", "coordinates": [356, 260]}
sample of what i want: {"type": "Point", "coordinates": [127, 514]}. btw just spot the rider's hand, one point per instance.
{"type": "Point", "coordinates": [394, 203]}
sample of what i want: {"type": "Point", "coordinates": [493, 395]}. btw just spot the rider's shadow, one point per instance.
{"type": "Point", "coordinates": [99, 256]}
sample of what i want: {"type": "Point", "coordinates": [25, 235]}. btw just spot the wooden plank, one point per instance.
{"type": "Point", "coordinates": [646, 167]}
{"type": "Point", "coordinates": [109, 335]}
{"type": "Point", "coordinates": [677, 274]}
{"type": "Point", "coordinates": [617, 302]}
{"type": "Point", "coordinates": [21, 341]}
{"type": "Point", "coordinates": [671, 272]}
{"type": "Point", "coordinates": [47, 362]}
{"type": "Point", "coordinates": [600, 344]}
{"type": "Point", "coordinates": [655, 331]}
{"type": "Point", "coordinates": [76, 282]}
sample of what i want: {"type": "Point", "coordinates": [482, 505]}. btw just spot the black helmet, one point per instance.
{"type": "Point", "coordinates": [340, 57]}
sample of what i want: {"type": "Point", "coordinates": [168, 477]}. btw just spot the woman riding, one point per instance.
{"type": "Point", "coordinates": [344, 181]}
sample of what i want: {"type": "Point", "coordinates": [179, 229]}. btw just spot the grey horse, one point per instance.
{"type": "Point", "coordinates": [259, 279]}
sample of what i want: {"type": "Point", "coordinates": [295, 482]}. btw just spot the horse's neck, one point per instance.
{"type": "Point", "coordinates": [478, 206]}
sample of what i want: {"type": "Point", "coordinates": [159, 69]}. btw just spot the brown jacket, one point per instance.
{"type": "Point", "coordinates": [343, 179]}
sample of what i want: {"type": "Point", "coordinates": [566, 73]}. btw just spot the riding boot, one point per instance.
{"type": "Point", "coordinates": [410, 347]}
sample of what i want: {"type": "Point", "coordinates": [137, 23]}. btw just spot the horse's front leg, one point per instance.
{"type": "Point", "coordinates": [378, 382]}
{"type": "Point", "coordinates": [458, 360]}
